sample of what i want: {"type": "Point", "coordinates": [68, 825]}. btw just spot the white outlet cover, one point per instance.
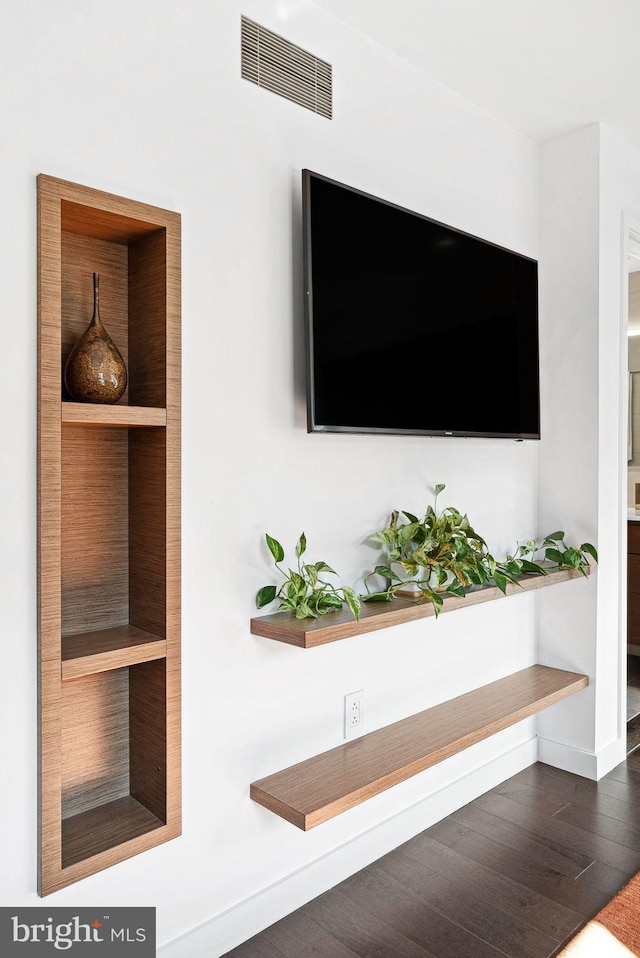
{"type": "Point", "coordinates": [353, 714]}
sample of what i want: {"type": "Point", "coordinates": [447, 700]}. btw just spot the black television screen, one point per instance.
{"type": "Point", "coordinates": [412, 326]}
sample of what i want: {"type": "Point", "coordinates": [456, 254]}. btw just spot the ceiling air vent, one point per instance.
{"type": "Point", "coordinates": [274, 63]}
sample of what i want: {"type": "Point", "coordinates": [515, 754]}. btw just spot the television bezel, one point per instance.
{"type": "Point", "coordinates": [315, 427]}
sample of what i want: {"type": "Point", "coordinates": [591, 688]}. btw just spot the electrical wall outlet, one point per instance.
{"type": "Point", "coordinates": [353, 714]}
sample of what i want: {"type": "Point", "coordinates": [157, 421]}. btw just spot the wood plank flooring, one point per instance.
{"type": "Point", "coordinates": [516, 872]}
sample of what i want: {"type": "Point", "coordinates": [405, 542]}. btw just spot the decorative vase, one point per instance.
{"type": "Point", "coordinates": [95, 370]}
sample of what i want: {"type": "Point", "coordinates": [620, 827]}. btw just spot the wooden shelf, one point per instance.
{"type": "Point", "coordinates": [104, 827]}
{"type": "Point", "coordinates": [104, 649]}
{"type": "Point", "coordinates": [92, 414]}
{"type": "Point", "coordinates": [307, 633]}
{"type": "Point", "coordinates": [313, 791]}
{"type": "Point", "coordinates": [109, 538]}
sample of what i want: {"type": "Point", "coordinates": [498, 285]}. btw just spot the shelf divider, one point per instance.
{"type": "Point", "coordinates": [308, 633]}
{"type": "Point", "coordinates": [116, 416]}
{"type": "Point", "coordinates": [319, 788]}
{"type": "Point", "coordinates": [105, 649]}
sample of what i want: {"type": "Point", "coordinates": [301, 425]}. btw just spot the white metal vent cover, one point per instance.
{"type": "Point", "coordinates": [278, 65]}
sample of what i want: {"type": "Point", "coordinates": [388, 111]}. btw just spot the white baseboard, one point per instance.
{"type": "Point", "coordinates": [230, 928]}
{"type": "Point", "coordinates": [588, 764]}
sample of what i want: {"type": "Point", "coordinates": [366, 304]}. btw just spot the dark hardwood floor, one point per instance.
{"type": "Point", "coordinates": [516, 872]}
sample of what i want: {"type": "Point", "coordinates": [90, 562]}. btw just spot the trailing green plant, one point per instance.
{"type": "Point", "coordinates": [443, 554]}
{"type": "Point", "coordinates": [305, 591]}
{"type": "Point", "coordinates": [440, 554]}
{"type": "Point", "coordinates": [557, 554]}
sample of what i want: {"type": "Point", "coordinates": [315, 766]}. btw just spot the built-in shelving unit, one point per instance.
{"type": "Point", "coordinates": [109, 537]}
{"type": "Point", "coordinates": [316, 790]}
{"type": "Point", "coordinates": [308, 633]}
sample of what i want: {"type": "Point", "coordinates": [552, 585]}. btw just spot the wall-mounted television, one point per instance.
{"type": "Point", "coordinates": [414, 327]}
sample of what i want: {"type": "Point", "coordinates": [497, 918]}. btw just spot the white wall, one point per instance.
{"type": "Point", "coordinates": [568, 452]}
{"type": "Point", "coordinates": [590, 196]}
{"type": "Point", "coordinates": [145, 99]}
{"type": "Point", "coordinates": [619, 211]}
{"type": "Point", "coordinates": [633, 353]}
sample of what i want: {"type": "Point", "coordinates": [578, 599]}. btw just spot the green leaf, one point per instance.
{"type": "Point", "coordinates": [532, 568]}
{"type": "Point", "coordinates": [266, 595]}
{"type": "Point", "coordinates": [456, 589]}
{"type": "Point", "coordinates": [376, 597]}
{"type": "Point", "coordinates": [437, 602]}
{"type": "Point", "coordinates": [304, 611]}
{"type": "Point", "coordinates": [384, 537]}
{"type": "Point", "coordinates": [352, 601]}
{"type": "Point", "coordinates": [410, 517]}
{"type": "Point", "coordinates": [431, 539]}
{"type": "Point", "coordinates": [554, 537]}
{"type": "Point", "coordinates": [420, 536]}
{"type": "Point", "coordinates": [313, 600]}
{"type": "Point", "coordinates": [287, 604]}
{"type": "Point", "coordinates": [473, 575]}
{"type": "Point", "coordinates": [461, 576]}
{"type": "Point", "coordinates": [329, 600]}
{"type": "Point", "coordinates": [312, 573]}
{"type": "Point", "coordinates": [554, 556]}
{"type": "Point", "coordinates": [501, 581]}
{"type": "Point", "coordinates": [590, 550]}
{"type": "Point", "coordinates": [323, 567]}
{"type": "Point", "coordinates": [440, 486]}
{"type": "Point", "coordinates": [573, 558]}
{"type": "Point", "coordinates": [275, 548]}
{"type": "Point", "coordinates": [406, 533]}
{"type": "Point", "coordinates": [387, 573]}
{"type": "Point", "coordinates": [461, 548]}
{"type": "Point", "coordinates": [512, 567]}
{"type": "Point", "coordinates": [301, 545]}
{"type": "Point", "coordinates": [297, 581]}
{"type": "Point", "coordinates": [441, 574]}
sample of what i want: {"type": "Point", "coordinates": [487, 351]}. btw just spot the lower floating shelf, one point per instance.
{"type": "Point", "coordinates": [313, 791]}
{"type": "Point", "coordinates": [104, 827]}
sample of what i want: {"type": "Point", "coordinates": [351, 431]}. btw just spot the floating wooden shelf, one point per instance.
{"type": "Point", "coordinates": [307, 633]}
{"type": "Point", "coordinates": [104, 649]}
{"type": "Point", "coordinates": [91, 414]}
{"type": "Point", "coordinates": [320, 788]}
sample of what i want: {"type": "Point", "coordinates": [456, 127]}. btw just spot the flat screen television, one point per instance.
{"type": "Point", "coordinates": [414, 327]}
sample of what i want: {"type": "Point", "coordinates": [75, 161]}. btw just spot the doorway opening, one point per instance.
{"type": "Point", "coordinates": [633, 493]}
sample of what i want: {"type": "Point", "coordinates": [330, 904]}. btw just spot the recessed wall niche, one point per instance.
{"type": "Point", "coordinates": [109, 537]}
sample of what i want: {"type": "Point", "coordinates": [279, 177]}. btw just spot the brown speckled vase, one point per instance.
{"type": "Point", "coordinates": [95, 370]}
